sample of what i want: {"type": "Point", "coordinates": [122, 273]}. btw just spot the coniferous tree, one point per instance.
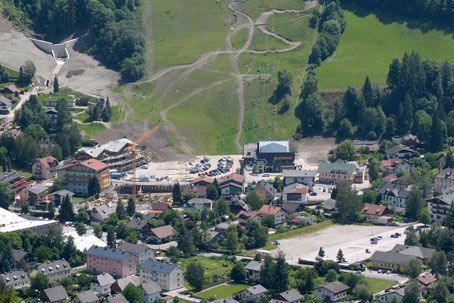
{"type": "Point", "coordinates": [176, 192]}
{"type": "Point", "coordinates": [94, 188]}
{"type": "Point", "coordinates": [66, 211]}
{"type": "Point", "coordinates": [120, 210]}
{"type": "Point", "coordinates": [367, 92]}
{"type": "Point", "coordinates": [56, 85]}
{"type": "Point", "coordinates": [111, 237]}
{"type": "Point", "coordinates": [281, 271]}
{"type": "Point", "coordinates": [436, 133]}
{"type": "Point", "coordinates": [131, 207]}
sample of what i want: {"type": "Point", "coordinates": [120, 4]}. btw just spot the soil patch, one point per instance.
{"type": "Point", "coordinates": [78, 72]}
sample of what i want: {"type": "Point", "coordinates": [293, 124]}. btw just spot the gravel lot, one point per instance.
{"type": "Point", "coordinates": [352, 239]}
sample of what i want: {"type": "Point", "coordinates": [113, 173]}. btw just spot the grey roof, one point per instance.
{"type": "Point", "coordinates": [417, 251]}
{"type": "Point", "coordinates": [249, 150]}
{"type": "Point", "coordinates": [256, 289]}
{"type": "Point", "coordinates": [9, 176]}
{"type": "Point", "coordinates": [104, 211]}
{"type": "Point", "coordinates": [290, 295]}
{"type": "Point", "coordinates": [134, 249]}
{"type": "Point", "coordinates": [118, 298]}
{"type": "Point", "coordinates": [5, 100]}
{"type": "Point", "coordinates": [273, 147]}
{"type": "Point", "coordinates": [396, 190]}
{"type": "Point", "coordinates": [107, 253]}
{"type": "Point", "coordinates": [19, 254]}
{"type": "Point", "coordinates": [57, 293]}
{"type": "Point", "coordinates": [105, 279]}
{"type": "Point", "coordinates": [200, 201]}
{"type": "Point", "coordinates": [87, 296]}
{"type": "Point", "coordinates": [295, 173]}
{"type": "Point", "coordinates": [112, 146]}
{"type": "Point", "coordinates": [122, 283]}
{"type": "Point", "coordinates": [158, 266]}
{"type": "Point", "coordinates": [137, 223]}
{"type": "Point", "coordinates": [329, 204]}
{"type": "Point", "coordinates": [254, 265]}
{"type": "Point", "coordinates": [225, 300]}
{"type": "Point", "coordinates": [339, 167]}
{"type": "Point", "coordinates": [447, 198]}
{"type": "Point", "coordinates": [262, 184]}
{"type": "Point", "coordinates": [447, 173]}
{"type": "Point", "coordinates": [288, 189]}
{"type": "Point", "coordinates": [390, 257]}
{"type": "Point", "coordinates": [151, 287]}
{"type": "Point", "coordinates": [62, 193]}
{"type": "Point", "coordinates": [15, 276]}
{"type": "Point", "coordinates": [335, 287]}
{"type": "Point", "coordinates": [37, 189]}
{"type": "Point", "coordinates": [398, 148]}
{"type": "Point", "coordinates": [51, 111]}
{"type": "Point", "coordinates": [53, 267]}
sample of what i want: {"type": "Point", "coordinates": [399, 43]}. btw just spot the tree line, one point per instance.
{"type": "Point", "coordinates": [115, 26]}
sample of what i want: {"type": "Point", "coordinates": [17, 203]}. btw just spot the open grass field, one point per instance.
{"type": "Point", "coordinates": [261, 42]}
{"type": "Point", "coordinates": [222, 291]}
{"type": "Point", "coordinates": [371, 41]}
{"type": "Point", "coordinates": [184, 30]}
{"type": "Point", "coordinates": [209, 119]}
{"type": "Point", "coordinates": [63, 94]}
{"type": "Point", "coordinates": [255, 7]}
{"type": "Point", "coordinates": [240, 38]}
{"type": "Point", "coordinates": [222, 62]}
{"type": "Point", "coordinates": [92, 128]}
{"type": "Point", "coordinates": [377, 285]}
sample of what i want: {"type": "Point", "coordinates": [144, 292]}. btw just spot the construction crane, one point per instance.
{"type": "Point", "coordinates": [132, 148]}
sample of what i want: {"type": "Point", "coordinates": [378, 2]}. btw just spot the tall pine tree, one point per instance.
{"type": "Point", "coordinates": [436, 133]}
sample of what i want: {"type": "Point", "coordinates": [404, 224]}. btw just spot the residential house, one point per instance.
{"type": "Point", "coordinates": [10, 91]}
{"type": "Point", "coordinates": [83, 101]}
{"type": "Point", "coordinates": [394, 165]}
{"type": "Point", "coordinates": [391, 261]}
{"type": "Point", "coordinates": [236, 204]}
{"type": "Point", "coordinates": [167, 276]}
{"type": "Point", "coordinates": [199, 190]}
{"type": "Point", "coordinates": [37, 194]}
{"type": "Point", "coordinates": [329, 206]}
{"type": "Point", "coordinates": [120, 284]}
{"type": "Point", "coordinates": [77, 175]}
{"type": "Point", "coordinates": [231, 185]}
{"type": "Point", "coordinates": [332, 173]}
{"type": "Point", "coordinates": [199, 204]}
{"type": "Point", "coordinates": [331, 292]}
{"type": "Point", "coordinates": [58, 196]}
{"type": "Point", "coordinates": [16, 279]}
{"type": "Point", "coordinates": [101, 213]}
{"type": "Point", "coordinates": [87, 296]}
{"type": "Point", "coordinates": [288, 296]}
{"type": "Point", "coordinates": [306, 177]}
{"type": "Point", "coordinates": [225, 300]}
{"type": "Point", "coordinates": [392, 178]}
{"type": "Point", "coordinates": [21, 256]}
{"type": "Point", "coordinates": [291, 207]}
{"type": "Point", "coordinates": [101, 284]}
{"type": "Point", "coordinates": [392, 294]}
{"type": "Point", "coordinates": [203, 181]}
{"type": "Point", "coordinates": [395, 194]}
{"type": "Point", "coordinates": [116, 262]}
{"type": "Point", "coordinates": [55, 294]}
{"type": "Point", "coordinates": [45, 168]}
{"type": "Point", "coordinates": [400, 151]}
{"type": "Point", "coordinates": [162, 234]}
{"type": "Point", "coordinates": [274, 211]}
{"type": "Point", "coordinates": [264, 190]}
{"type": "Point", "coordinates": [426, 280]}
{"type": "Point", "coordinates": [5, 105]}
{"type": "Point", "coordinates": [252, 294]}
{"type": "Point", "coordinates": [55, 271]}
{"type": "Point", "coordinates": [141, 251]}
{"type": "Point", "coordinates": [422, 253]}
{"type": "Point", "coordinates": [373, 211]}
{"type": "Point", "coordinates": [295, 193]}
{"type": "Point", "coordinates": [52, 113]}
{"type": "Point", "coordinates": [444, 180]}
{"type": "Point", "coordinates": [53, 103]}
{"type": "Point", "coordinates": [243, 216]}
{"type": "Point", "coordinates": [253, 269]}
{"type": "Point", "coordinates": [439, 206]}
{"type": "Point", "coordinates": [162, 206]}
{"type": "Point", "coordinates": [144, 226]}
{"type": "Point", "coordinates": [409, 140]}
{"type": "Point", "coordinates": [150, 292]}
{"type": "Point", "coordinates": [116, 298]}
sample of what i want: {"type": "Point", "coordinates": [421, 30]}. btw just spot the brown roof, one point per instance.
{"type": "Point", "coordinates": [163, 232]}
{"type": "Point", "coordinates": [392, 162]}
{"type": "Point", "coordinates": [203, 180]}
{"type": "Point", "coordinates": [94, 164]}
{"type": "Point", "coordinates": [269, 210]}
{"type": "Point", "coordinates": [390, 178]}
{"type": "Point", "coordinates": [12, 88]}
{"type": "Point", "coordinates": [45, 161]}
{"type": "Point", "coordinates": [335, 287]}
{"type": "Point", "coordinates": [160, 206]}
{"type": "Point", "coordinates": [426, 279]}
{"type": "Point", "coordinates": [233, 177]}
{"type": "Point", "coordinates": [291, 207]}
{"type": "Point", "coordinates": [374, 210]}
{"type": "Point", "coordinates": [247, 214]}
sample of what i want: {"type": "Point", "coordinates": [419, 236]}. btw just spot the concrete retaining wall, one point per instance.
{"type": "Point", "coordinates": [56, 50]}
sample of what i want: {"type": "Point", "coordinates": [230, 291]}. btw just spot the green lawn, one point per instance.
{"type": "Point", "coordinates": [183, 30]}
{"type": "Point", "coordinates": [222, 62]}
{"type": "Point", "coordinates": [255, 7]}
{"type": "Point", "coordinates": [63, 94]}
{"type": "Point", "coordinates": [92, 128]}
{"type": "Point", "coordinates": [81, 117]}
{"type": "Point", "coordinates": [377, 285]}
{"type": "Point", "coordinates": [208, 120]}
{"type": "Point", "coordinates": [369, 44]}
{"type": "Point", "coordinates": [117, 113]}
{"type": "Point", "coordinates": [261, 42]}
{"type": "Point", "coordinates": [240, 38]}
{"type": "Point", "coordinates": [222, 291]}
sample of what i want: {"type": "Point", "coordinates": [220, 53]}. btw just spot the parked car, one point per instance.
{"type": "Point", "coordinates": [379, 237]}
{"type": "Point", "coordinates": [368, 250]}
{"type": "Point", "coordinates": [313, 193]}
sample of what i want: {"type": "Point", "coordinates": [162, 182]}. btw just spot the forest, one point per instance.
{"type": "Point", "coordinates": [118, 40]}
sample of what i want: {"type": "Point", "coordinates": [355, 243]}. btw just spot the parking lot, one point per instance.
{"type": "Point", "coordinates": [352, 239]}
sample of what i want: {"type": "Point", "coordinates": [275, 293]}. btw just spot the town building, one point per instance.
{"type": "Point", "coordinates": [395, 194]}
{"type": "Point", "coordinates": [244, 215]}
{"type": "Point", "coordinates": [150, 292]}
{"type": "Point", "coordinates": [21, 256]}
{"type": "Point", "coordinates": [274, 211]}
{"type": "Point", "coordinates": [55, 294]}
{"type": "Point", "coordinates": [306, 177]}
{"type": "Point", "coordinates": [288, 296]}
{"type": "Point", "coordinates": [76, 176]}
{"type": "Point", "coordinates": [45, 168]}
{"type": "Point", "coordinates": [52, 113]}
{"type": "Point", "coordinates": [237, 204]}
{"type": "Point", "coordinates": [394, 166]}
{"type": "Point", "coordinates": [295, 193]}
{"type": "Point", "coordinates": [253, 269]}
{"type": "Point", "coordinates": [203, 181]}
{"type": "Point", "coordinates": [101, 213]}
{"type": "Point", "coordinates": [102, 284]}
{"type": "Point", "coordinates": [5, 105]}
{"type": "Point", "coordinates": [55, 271]}
{"type": "Point", "coordinates": [331, 292]}
{"type": "Point", "coordinates": [268, 156]}
{"type": "Point", "coordinates": [444, 180]}
{"type": "Point", "coordinates": [199, 190]}
{"type": "Point", "coordinates": [329, 207]}
{"type": "Point", "coordinates": [10, 91]}
{"type": "Point", "coordinates": [116, 298]}
{"type": "Point", "coordinates": [373, 211]}
{"type": "Point", "coordinates": [87, 296]}
{"type": "Point", "coordinates": [252, 294]}
{"type": "Point", "coordinates": [292, 207]}
{"type": "Point", "coordinates": [331, 173]}
{"type": "Point", "coordinates": [59, 196]}
{"type": "Point", "coordinates": [162, 234]}
{"type": "Point", "coordinates": [36, 194]}
{"type": "Point", "coordinates": [167, 276]}
{"type": "Point", "coordinates": [225, 300]}
{"type": "Point", "coordinates": [53, 103]}
{"type": "Point", "coordinates": [199, 204]}
{"type": "Point", "coordinates": [439, 206]}
{"type": "Point", "coordinates": [12, 222]}
{"type": "Point", "coordinates": [264, 190]}
{"type": "Point", "coordinates": [400, 151]}
{"type": "Point", "coordinates": [141, 251]}
{"type": "Point", "coordinates": [116, 262]}
{"type": "Point", "coordinates": [422, 253]}
{"type": "Point", "coordinates": [231, 185]}
{"type": "Point", "coordinates": [391, 261]}
{"type": "Point", "coordinates": [144, 226]}
{"type": "Point", "coordinates": [16, 279]}
{"type": "Point", "coordinates": [120, 284]}
{"type": "Point", "coordinates": [409, 140]}
{"type": "Point", "coordinates": [395, 293]}
{"type": "Point", "coordinates": [426, 280]}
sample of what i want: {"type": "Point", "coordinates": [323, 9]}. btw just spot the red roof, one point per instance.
{"type": "Point", "coordinates": [374, 210]}
{"type": "Point", "coordinates": [12, 88]}
{"type": "Point", "coordinates": [94, 164]}
{"type": "Point", "coordinates": [389, 178]}
{"type": "Point", "coordinates": [152, 211]}
{"type": "Point", "coordinates": [426, 279]}
{"type": "Point", "coordinates": [45, 161]}
{"type": "Point", "coordinates": [247, 214]}
{"type": "Point", "coordinates": [391, 163]}
{"type": "Point", "coordinates": [163, 232]}
{"type": "Point", "coordinates": [300, 191]}
{"type": "Point", "coordinates": [160, 206]}
{"type": "Point", "coordinates": [269, 210]}
{"type": "Point", "coordinates": [233, 177]}
{"type": "Point", "coordinates": [203, 180]}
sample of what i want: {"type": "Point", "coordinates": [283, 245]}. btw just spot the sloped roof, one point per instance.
{"type": "Point", "coordinates": [117, 298]}
{"type": "Point", "coordinates": [112, 146]}
{"type": "Point", "coordinates": [105, 279]}
{"type": "Point", "coordinates": [12, 88]}
{"type": "Point", "coordinates": [200, 201]}
{"type": "Point", "coordinates": [296, 173]}
{"type": "Point", "coordinates": [53, 267]}
{"type": "Point", "coordinates": [254, 265]}
{"type": "Point", "coordinates": [104, 211]}
{"type": "Point", "coordinates": [37, 189]}
{"type": "Point", "coordinates": [57, 293]}
{"type": "Point", "coordinates": [203, 179]}
{"type": "Point", "coordinates": [62, 193]}
{"type": "Point", "coordinates": [160, 206]}
{"type": "Point", "coordinates": [374, 209]}
{"type": "Point", "coordinates": [339, 167]}
{"type": "Point", "coordinates": [291, 207]}
{"type": "Point", "coordinates": [19, 254]}
{"type": "Point", "coordinates": [256, 289]}
{"type": "Point", "coordinates": [417, 251]}
{"type": "Point", "coordinates": [233, 177]}
{"type": "Point", "coordinates": [87, 296]}
{"type": "Point", "coordinates": [269, 210]}
{"type": "Point", "coordinates": [137, 223]}
{"type": "Point", "coordinates": [273, 147]}
{"type": "Point", "coordinates": [94, 164]}
{"type": "Point", "coordinates": [107, 253]}
{"type": "Point", "coordinates": [14, 277]}
{"type": "Point", "coordinates": [396, 190]}
{"type": "Point", "coordinates": [295, 188]}
{"type": "Point", "coordinates": [135, 249]}
{"type": "Point", "coordinates": [391, 257]}
{"type": "Point", "coordinates": [45, 161]}
{"type": "Point", "coordinates": [290, 295]}
{"type": "Point", "coordinates": [151, 287]}
{"type": "Point", "coordinates": [447, 173]}
{"type": "Point", "coordinates": [163, 232]}
{"type": "Point", "coordinates": [158, 266]}
{"type": "Point", "coordinates": [426, 279]}
{"type": "Point", "coordinates": [247, 214]}
{"type": "Point", "coordinates": [329, 204]}
{"type": "Point", "coordinates": [4, 100]}
{"type": "Point", "coordinates": [398, 148]}
{"type": "Point", "coordinates": [335, 287]}
{"type": "Point", "coordinates": [122, 283]}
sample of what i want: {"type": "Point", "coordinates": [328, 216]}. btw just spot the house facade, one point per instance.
{"type": "Point", "coordinates": [373, 211]}
{"type": "Point", "coordinates": [306, 177]}
{"type": "Point", "coordinates": [199, 204]}
{"type": "Point", "coordinates": [253, 269]}
{"type": "Point", "coordinates": [391, 261]}
{"type": "Point", "coordinates": [101, 284]}
{"type": "Point", "coordinates": [116, 262]}
{"type": "Point", "coordinates": [439, 206]}
{"type": "Point", "coordinates": [141, 251]}
{"type": "Point", "coordinates": [395, 165]}
{"type": "Point", "coordinates": [395, 194]}
{"type": "Point", "coordinates": [45, 168]}
{"type": "Point", "coordinates": [331, 173]}
{"type": "Point", "coordinates": [295, 193]}
{"type": "Point", "coordinates": [251, 295]}
{"type": "Point", "coordinates": [5, 105]}
{"type": "Point", "coordinates": [274, 211]}
{"type": "Point", "coordinates": [231, 185]}
{"type": "Point", "coordinates": [268, 156]}
{"type": "Point", "coordinates": [331, 292]}
{"type": "Point", "coordinates": [264, 190]}
{"type": "Point", "coordinates": [16, 279]}
{"type": "Point", "coordinates": [150, 292]}
{"type": "Point", "coordinates": [58, 196]}
{"type": "Point", "coordinates": [56, 271]}
{"type": "Point", "coordinates": [444, 180]}
{"type": "Point", "coordinates": [167, 276]}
